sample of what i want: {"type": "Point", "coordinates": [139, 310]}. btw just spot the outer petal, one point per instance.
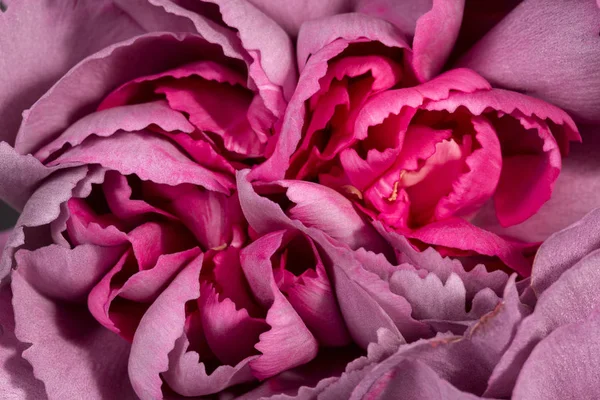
{"type": "Point", "coordinates": [549, 50]}
{"type": "Point", "coordinates": [82, 89]}
{"type": "Point", "coordinates": [61, 34]}
{"type": "Point", "coordinates": [126, 118]}
{"type": "Point", "coordinates": [42, 209]}
{"type": "Point", "coordinates": [16, 375]}
{"type": "Point", "coordinates": [71, 353]}
{"type": "Point", "coordinates": [564, 365]}
{"type": "Point", "coordinates": [415, 380]}
{"type": "Point", "coordinates": [156, 160]}
{"type": "Point", "coordinates": [290, 16]}
{"type": "Point", "coordinates": [571, 299]}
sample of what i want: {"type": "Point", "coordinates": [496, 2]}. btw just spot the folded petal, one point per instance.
{"type": "Point", "coordinates": [156, 160]}
{"type": "Point", "coordinates": [475, 280]}
{"type": "Point", "coordinates": [70, 352]}
{"type": "Point", "coordinates": [66, 274]}
{"type": "Point", "coordinates": [570, 299]}
{"type": "Point", "coordinates": [80, 91]}
{"type": "Point", "coordinates": [288, 343]}
{"type": "Point", "coordinates": [61, 35]}
{"type": "Point", "coordinates": [563, 364]}
{"type": "Point", "coordinates": [16, 376]}
{"type": "Point", "coordinates": [125, 118]}
{"type": "Point", "coordinates": [549, 51]}
{"type": "Point", "coordinates": [42, 208]}
{"type": "Point", "coordinates": [149, 352]}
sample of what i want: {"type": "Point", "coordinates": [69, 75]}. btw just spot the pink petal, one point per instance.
{"type": "Point", "coordinates": [66, 274]}
{"type": "Point", "coordinates": [214, 218]}
{"type": "Point", "coordinates": [83, 87]}
{"type": "Point", "coordinates": [187, 374]}
{"type": "Point", "coordinates": [323, 208]}
{"type": "Point", "coordinates": [459, 234]}
{"type": "Point", "coordinates": [231, 333]}
{"type": "Point", "coordinates": [139, 88]}
{"type": "Point", "coordinates": [16, 375]}
{"type": "Point", "coordinates": [549, 51]}
{"type": "Point", "coordinates": [291, 131]}
{"type": "Point", "coordinates": [268, 45]}
{"type": "Point", "coordinates": [314, 300]}
{"type": "Point", "coordinates": [125, 118]}
{"type": "Point", "coordinates": [118, 192]}
{"type": "Point", "coordinates": [291, 16]}
{"type": "Point", "coordinates": [435, 34]}
{"type": "Point", "coordinates": [316, 34]}
{"type": "Point", "coordinates": [41, 209]}
{"type": "Point", "coordinates": [472, 189]}
{"type": "Point", "coordinates": [70, 352]}
{"type": "Point", "coordinates": [150, 352]}
{"type": "Point", "coordinates": [562, 365]}
{"type": "Point", "coordinates": [62, 35]}
{"type": "Point", "coordinates": [145, 286]}
{"type": "Point", "coordinates": [157, 160]}
{"type": "Point", "coordinates": [288, 343]}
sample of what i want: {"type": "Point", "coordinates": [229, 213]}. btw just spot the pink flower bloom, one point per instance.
{"type": "Point", "coordinates": [423, 159]}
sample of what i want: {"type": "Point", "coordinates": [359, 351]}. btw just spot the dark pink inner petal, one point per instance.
{"type": "Point", "coordinates": [230, 332]}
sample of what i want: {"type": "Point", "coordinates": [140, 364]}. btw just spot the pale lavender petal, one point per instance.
{"type": "Point", "coordinates": [563, 365]}
{"type": "Point", "coordinates": [570, 299]}
{"type": "Point", "coordinates": [414, 379]}
{"type": "Point", "coordinates": [16, 375]}
{"type": "Point", "coordinates": [42, 208]}
{"type": "Point", "coordinates": [70, 352]}
{"type": "Point", "coordinates": [547, 50]}
{"type": "Point", "coordinates": [60, 34]}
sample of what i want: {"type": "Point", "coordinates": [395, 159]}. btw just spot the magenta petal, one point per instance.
{"type": "Point", "coordinates": [149, 352]}
{"type": "Point", "coordinates": [156, 160]}
{"type": "Point", "coordinates": [16, 375]}
{"type": "Point", "coordinates": [563, 365]}
{"type": "Point", "coordinates": [459, 234]}
{"type": "Point", "coordinates": [231, 333]}
{"type": "Point", "coordinates": [70, 352]}
{"type": "Point", "coordinates": [66, 274]}
{"type": "Point", "coordinates": [288, 343]}
{"type": "Point", "coordinates": [549, 51]}
{"type": "Point", "coordinates": [126, 118]}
